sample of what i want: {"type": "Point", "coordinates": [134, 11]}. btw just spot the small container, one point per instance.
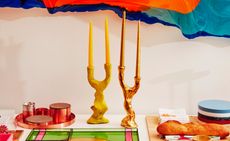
{"type": "Point", "coordinates": [42, 111]}
{"type": "Point", "coordinates": [214, 111]}
{"type": "Point", "coordinates": [28, 109]}
{"type": "Point", "coordinates": [60, 112]}
{"type": "Point", "coordinates": [40, 120]}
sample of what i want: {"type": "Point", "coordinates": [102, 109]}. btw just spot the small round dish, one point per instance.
{"type": "Point", "coordinates": [39, 120]}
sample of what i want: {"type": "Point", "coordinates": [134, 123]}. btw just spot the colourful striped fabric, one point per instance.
{"type": "Point", "coordinates": [193, 17]}
{"type": "Point", "coordinates": [182, 6]}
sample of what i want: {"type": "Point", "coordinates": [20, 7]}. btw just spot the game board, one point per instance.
{"type": "Point", "coordinates": [84, 134]}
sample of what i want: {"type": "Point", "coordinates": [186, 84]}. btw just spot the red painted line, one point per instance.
{"type": "Point", "coordinates": [128, 135]}
{"type": "Point", "coordinates": [214, 121]}
{"type": "Point", "coordinates": [40, 135]}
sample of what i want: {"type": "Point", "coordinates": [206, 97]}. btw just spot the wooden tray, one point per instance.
{"type": "Point", "coordinates": [152, 123]}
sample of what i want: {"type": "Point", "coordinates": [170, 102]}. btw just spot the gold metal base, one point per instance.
{"type": "Point", "coordinates": [129, 122]}
{"type": "Point", "coordinates": [129, 92]}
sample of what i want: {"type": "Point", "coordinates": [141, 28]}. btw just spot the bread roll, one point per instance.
{"type": "Point", "coordinates": [173, 127]}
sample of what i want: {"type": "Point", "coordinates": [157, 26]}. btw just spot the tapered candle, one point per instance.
{"type": "Point", "coordinates": [107, 48]}
{"type": "Point", "coordinates": [122, 55]}
{"type": "Point", "coordinates": [138, 52]}
{"type": "Point", "coordinates": [90, 59]}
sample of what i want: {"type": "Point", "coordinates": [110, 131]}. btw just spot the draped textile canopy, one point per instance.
{"type": "Point", "coordinates": [193, 17]}
{"type": "Point", "coordinates": [182, 6]}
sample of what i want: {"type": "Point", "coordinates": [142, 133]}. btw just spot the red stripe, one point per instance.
{"type": "Point", "coordinates": [40, 135]}
{"type": "Point", "coordinates": [214, 121]}
{"type": "Point", "coordinates": [128, 134]}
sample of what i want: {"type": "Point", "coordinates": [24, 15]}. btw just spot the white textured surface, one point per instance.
{"type": "Point", "coordinates": [43, 58]}
{"type": "Point", "coordinates": [210, 114]}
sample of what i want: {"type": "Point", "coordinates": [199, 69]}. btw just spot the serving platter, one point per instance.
{"type": "Point", "coordinates": [20, 121]}
{"type": "Point", "coordinates": [153, 121]}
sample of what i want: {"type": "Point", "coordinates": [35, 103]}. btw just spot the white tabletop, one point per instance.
{"type": "Point", "coordinates": [115, 121]}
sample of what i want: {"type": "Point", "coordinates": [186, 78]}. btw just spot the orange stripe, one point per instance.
{"type": "Point", "coordinates": [182, 6]}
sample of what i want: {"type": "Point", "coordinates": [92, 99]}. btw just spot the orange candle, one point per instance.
{"type": "Point", "coordinates": [90, 59]}
{"type": "Point", "coordinates": [138, 52]}
{"type": "Point", "coordinates": [107, 48]}
{"type": "Point", "coordinates": [122, 55]}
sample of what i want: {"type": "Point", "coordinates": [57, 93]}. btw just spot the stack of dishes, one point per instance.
{"type": "Point", "coordinates": [214, 111]}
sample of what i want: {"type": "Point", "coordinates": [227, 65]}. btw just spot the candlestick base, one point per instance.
{"type": "Point", "coordinates": [99, 108]}
{"type": "Point", "coordinates": [128, 92]}
{"type": "Point", "coordinates": [129, 122]}
{"type": "Point", "coordinates": [96, 120]}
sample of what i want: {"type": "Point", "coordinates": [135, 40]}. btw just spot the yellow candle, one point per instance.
{"type": "Point", "coordinates": [122, 55]}
{"type": "Point", "coordinates": [138, 52]}
{"type": "Point", "coordinates": [90, 59]}
{"type": "Point", "coordinates": [107, 48]}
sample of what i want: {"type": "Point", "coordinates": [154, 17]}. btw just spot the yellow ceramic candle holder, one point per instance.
{"type": "Point", "coordinates": [99, 108]}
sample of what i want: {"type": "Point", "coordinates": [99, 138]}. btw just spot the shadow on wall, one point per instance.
{"type": "Point", "coordinates": [151, 35]}
{"type": "Point", "coordinates": [184, 78]}
{"type": "Point", "coordinates": [11, 85]}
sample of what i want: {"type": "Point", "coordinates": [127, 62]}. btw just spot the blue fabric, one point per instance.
{"type": "Point", "coordinates": [22, 3]}
{"type": "Point", "coordinates": [10, 3]}
{"type": "Point", "coordinates": [33, 3]}
{"type": "Point", "coordinates": [211, 17]}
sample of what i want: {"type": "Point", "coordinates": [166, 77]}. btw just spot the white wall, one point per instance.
{"type": "Point", "coordinates": [43, 58]}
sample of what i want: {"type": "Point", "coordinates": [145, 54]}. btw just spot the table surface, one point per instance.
{"type": "Point", "coordinates": [115, 121]}
{"type": "Point", "coordinates": [146, 126]}
{"type": "Point", "coordinates": [152, 123]}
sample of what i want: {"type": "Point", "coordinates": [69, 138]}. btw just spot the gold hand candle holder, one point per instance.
{"type": "Point", "coordinates": [99, 108]}
{"type": "Point", "coordinates": [129, 120]}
